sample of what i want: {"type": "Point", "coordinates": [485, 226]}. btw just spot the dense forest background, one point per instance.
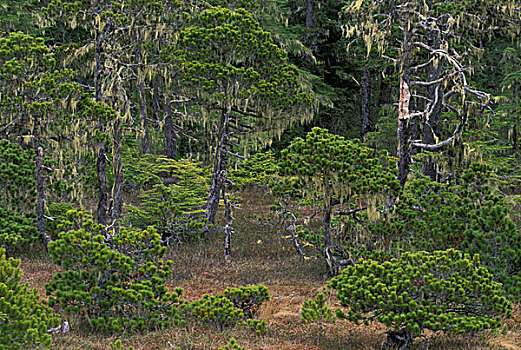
{"type": "Point", "coordinates": [379, 140]}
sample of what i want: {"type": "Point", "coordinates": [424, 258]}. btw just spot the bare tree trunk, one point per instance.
{"type": "Point", "coordinates": [309, 14]}
{"type": "Point", "coordinates": [116, 200]}
{"type": "Point", "coordinates": [404, 132]}
{"type": "Point", "coordinates": [145, 140]}
{"type": "Point", "coordinates": [431, 126]}
{"type": "Point", "coordinates": [326, 228]}
{"type": "Point", "coordinates": [366, 100]}
{"type": "Point", "coordinates": [228, 229]}
{"type": "Point", "coordinates": [40, 187]}
{"type": "Point", "coordinates": [101, 164]}
{"type": "Point", "coordinates": [219, 167]}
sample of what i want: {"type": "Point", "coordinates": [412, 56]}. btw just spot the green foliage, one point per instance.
{"type": "Point", "coordinates": [24, 320]}
{"type": "Point", "coordinates": [248, 298]}
{"type": "Point", "coordinates": [217, 310]}
{"type": "Point", "coordinates": [115, 281]}
{"type": "Point", "coordinates": [471, 217]}
{"type": "Point", "coordinates": [173, 197]}
{"type": "Point", "coordinates": [257, 326]}
{"type": "Point", "coordinates": [317, 310]}
{"type": "Point", "coordinates": [18, 194]}
{"type": "Point", "coordinates": [258, 169]}
{"type": "Point", "coordinates": [119, 346]}
{"type": "Point", "coordinates": [441, 291]}
{"type": "Point", "coordinates": [232, 345]}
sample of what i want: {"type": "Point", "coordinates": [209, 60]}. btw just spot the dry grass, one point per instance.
{"type": "Point", "coordinates": [259, 256]}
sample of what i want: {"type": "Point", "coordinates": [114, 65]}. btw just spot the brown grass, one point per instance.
{"type": "Point", "coordinates": [260, 255]}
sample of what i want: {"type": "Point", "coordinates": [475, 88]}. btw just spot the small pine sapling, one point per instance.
{"type": "Point", "coordinates": [217, 310]}
{"type": "Point", "coordinates": [445, 291]}
{"type": "Point", "coordinates": [257, 326]}
{"type": "Point", "coordinates": [248, 298]}
{"type": "Point", "coordinates": [118, 345]}
{"type": "Point", "coordinates": [232, 345]}
{"type": "Point", "coordinates": [317, 311]}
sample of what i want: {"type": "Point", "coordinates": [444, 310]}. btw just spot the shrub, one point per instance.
{"type": "Point", "coordinates": [257, 326]}
{"type": "Point", "coordinates": [119, 346]}
{"type": "Point", "coordinates": [173, 198]}
{"type": "Point", "coordinates": [24, 320]}
{"type": "Point", "coordinates": [317, 311]}
{"type": "Point", "coordinates": [112, 282]}
{"type": "Point", "coordinates": [258, 169]}
{"type": "Point", "coordinates": [441, 291]}
{"type": "Point", "coordinates": [248, 298]}
{"type": "Point", "coordinates": [217, 310]}
{"type": "Point", "coordinates": [232, 345]}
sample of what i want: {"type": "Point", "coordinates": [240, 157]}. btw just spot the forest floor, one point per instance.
{"type": "Point", "coordinates": [259, 255]}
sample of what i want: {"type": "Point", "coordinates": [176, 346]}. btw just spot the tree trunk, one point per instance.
{"type": "Point", "coordinates": [404, 132]}
{"type": "Point", "coordinates": [170, 139]}
{"type": "Point", "coordinates": [228, 229]}
{"type": "Point", "coordinates": [219, 167]}
{"type": "Point", "coordinates": [431, 127]}
{"type": "Point", "coordinates": [145, 140]}
{"type": "Point", "coordinates": [309, 14]}
{"type": "Point", "coordinates": [40, 188]}
{"type": "Point", "coordinates": [326, 228]}
{"type": "Point", "coordinates": [101, 168]}
{"type": "Point", "coordinates": [366, 99]}
{"type": "Point", "coordinates": [116, 199]}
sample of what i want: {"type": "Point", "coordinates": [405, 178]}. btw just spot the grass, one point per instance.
{"type": "Point", "coordinates": [259, 255]}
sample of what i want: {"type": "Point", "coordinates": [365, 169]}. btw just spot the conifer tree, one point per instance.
{"type": "Point", "coordinates": [242, 80]}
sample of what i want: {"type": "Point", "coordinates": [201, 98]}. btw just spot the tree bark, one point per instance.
{"type": "Point", "coordinates": [116, 199]}
{"type": "Point", "coordinates": [145, 140]}
{"type": "Point", "coordinates": [101, 169]}
{"type": "Point", "coordinates": [40, 187]}
{"type": "Point", "coordinates": [404, 132]}
{"type": "Point", "coordinates": [366, 98]}
{"type": "Point", "coordinates": [219, 167]}
{"type": "Point", "coordinates": [431, 127]}
{"type": "Point", "coordinates": [309, 14]}
{"type": "Point", "coordinates": [228, 229]}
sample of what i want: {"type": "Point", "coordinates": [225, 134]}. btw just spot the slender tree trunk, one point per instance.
{"type": "Point", "coordinates": [309, 14]}
{"type": "Point", "coordinates": [219, 167]}
{"type": "Point", "coordinates": [431, 127]}
{"type": "Point", "coordinates": [228, 229]}
{"type": "Point", "coordinates": [366, 100]}
{"type": "Point", "coordinates": [116, 200]}
{"type": "Point", "coordinates": [170, 139]}
{"type": "Point", "coordinates": [101, 168]}
{"type": "Point", "coordinates": [145, 140]}
{"type": "Point", "coordinates": [101, 164]}
{"type": "Point", "coordinates": [40, 188]}
{"type": "Point", "coordinates": [404, 132]}
{"type": "Point", "coordinates": [326, 229]}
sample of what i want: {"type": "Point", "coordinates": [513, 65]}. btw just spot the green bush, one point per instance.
{"type": "Point", "coordinates": [217, 310]}
{"type": "Point", "coordinates": [113, 282]}
{"type": "Point", "coordinates": [119, 346]}
{"type": "Point", "coordinates": [317, 311]}
{"type": "Point", "coordinates": [24, 320]}
{"type": "Point", "coordinates": [232, 345]}
{"type": "Point", "coordinates": [257, 326]}
{"type": "Point", "coordinates": [445, 291]}
{"type": "Point", "coordinates": [17, 196]}
{"type": "Point", "coordinates": [258, 169]}
{"type": "Point", "coordinates": [173, 197]}
{"type": "Point", "coordinates": [248, 298]}
{"type": "Point", "coordinates": [471, 217]}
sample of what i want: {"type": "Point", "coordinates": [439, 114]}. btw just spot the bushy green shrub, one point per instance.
{"type": "Point", "coordinates": [232, 345]}
{"type": "Point", "coordinates": [24, 320]}
{"type": "Point", "coordinates": [118, 345]}
{"type": "Point", "coordinates": [172, 200]}
{"type": "Point", "coordinates": [445, 291]}
{"type": "Point", "coordinates": [257, 326]}
{"type": "Point", "coordinates": [217, 310]}
{"type": "Point", "coordinates": [317, 311]}
{"type": "Point", "coordinates": [258, 169]}
{"type": "Point", "coordinates": [17, 196]}
{"type": "Point", "coordinates": [471, 216]}
{"type": "Point", "coordinates": [113, 282]}
{"type": "Point", "coordinates": [248, 298]}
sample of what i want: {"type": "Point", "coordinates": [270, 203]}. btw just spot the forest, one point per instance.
{"type": "Point", "coordinates": [249, 174]}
